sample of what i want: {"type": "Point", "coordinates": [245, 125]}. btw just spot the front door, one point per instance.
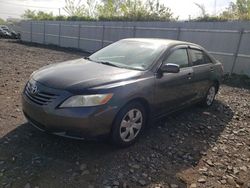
{"type": "Point", "coordinates": [174, 90]}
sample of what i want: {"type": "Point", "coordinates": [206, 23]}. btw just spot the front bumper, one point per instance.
{"type": "Point", "coordinates": [81, 122]}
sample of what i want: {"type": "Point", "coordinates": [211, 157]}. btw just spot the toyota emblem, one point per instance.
{"type": "Point", "coordinates": [33, 89]}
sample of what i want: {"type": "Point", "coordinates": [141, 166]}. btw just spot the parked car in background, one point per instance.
{"type": "Point", "coordinates": [118, 89]}
{"type": "Point", "coordinates": [10, 33]}
{"type": "Point", "coordinates": [14, 34]}
{"type": "Point", "coordinates": [4, 33]}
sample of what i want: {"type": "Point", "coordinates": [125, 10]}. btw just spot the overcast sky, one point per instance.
{"type": "Point", "coordinates": [181, 8]}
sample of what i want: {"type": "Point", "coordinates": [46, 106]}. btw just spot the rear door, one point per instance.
{"type": "Point", "coordinates": [202, 68]}
{"type": "Point", "coordinates": [174, 90]}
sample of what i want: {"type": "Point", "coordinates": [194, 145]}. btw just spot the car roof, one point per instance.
{"type": "Point", "coordinates": [163, 42]}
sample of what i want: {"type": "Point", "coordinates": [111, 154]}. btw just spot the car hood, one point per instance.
{"type": "Point", "coordinates": [80, 74]}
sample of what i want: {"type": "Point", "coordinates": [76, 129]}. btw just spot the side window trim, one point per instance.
{"type": "Point", "coordinates": [167, 52]}
{"type": "Point", "coordinates": [174, 49]}
{"type": "Point", "coordinates": [208, 56]}
{"type": "Point", "coordinates": [198, 49]}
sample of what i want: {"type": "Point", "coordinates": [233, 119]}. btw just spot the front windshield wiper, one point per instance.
{"type": "Point", "coordinates": [87, 58]}
{"type": "Point", "coordinates": [103, 62]}
{"type": "Point", "coordinates": [108, 63]}
{"type": "Point", "coordinates": [112, 64]}
{"type": "Point", "coordinates": [119, 66]}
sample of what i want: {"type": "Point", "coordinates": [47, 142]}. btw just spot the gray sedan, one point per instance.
{"type": "Point", "coordinates": [118, 89]}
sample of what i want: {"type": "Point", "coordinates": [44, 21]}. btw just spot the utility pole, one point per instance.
{"type": "Point", "coordinates": [59, 11]}
{"type": "Point", "coordinates": [215, 7]}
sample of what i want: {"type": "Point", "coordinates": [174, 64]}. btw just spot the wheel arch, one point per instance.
{"type": "Point", "coordinates": [142, 101]}
{"type": "Point", "coordinates": [217, 85]}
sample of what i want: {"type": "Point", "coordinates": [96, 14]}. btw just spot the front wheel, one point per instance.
{"type": "Point", "coordinates": [128, 124]}
{"type": "Point", "coordinates": [209, 98]}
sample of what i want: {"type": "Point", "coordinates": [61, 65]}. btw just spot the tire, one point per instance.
{"type": "Point", "coordinates": [210, 95]}
{"type": "Point", "coordinates": [128, 124]}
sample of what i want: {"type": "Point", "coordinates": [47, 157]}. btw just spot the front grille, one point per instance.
{"type": "Point", "coordinates": [40, 97]}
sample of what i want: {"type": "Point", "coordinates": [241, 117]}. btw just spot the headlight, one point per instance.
{"type": "Point", "coordinates": [86, 100]}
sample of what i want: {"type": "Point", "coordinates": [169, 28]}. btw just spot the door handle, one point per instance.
{"type": "Point", "coordinates": [211, 69]}
{"type": "Point", "coordinates": [189, 75]}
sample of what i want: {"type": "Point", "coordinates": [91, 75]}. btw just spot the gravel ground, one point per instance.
{"type": "Point", "coordinates": [195, 148]}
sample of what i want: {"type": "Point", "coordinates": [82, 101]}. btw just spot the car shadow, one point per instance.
{"type": "Point", "coordinates": [168, 147]}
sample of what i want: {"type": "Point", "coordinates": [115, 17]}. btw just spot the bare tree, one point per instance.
{"type": "Point", "coordinates": [92, 6]}
{"type": "Point", "coordinates": [202, 9]}
{"type": "Point", "coordinates": [74, 8]}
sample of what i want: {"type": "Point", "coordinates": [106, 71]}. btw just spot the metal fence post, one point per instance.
{"type": "Point", "coordinates": [103, 35]}
{"type": "Point", "coordinates": [59, 35]}
{"type": "Point", "coordinates": [79, 36]}
{"type": "Point", "coordinates": [31, 24]}
{"type": "Point", "coordinates": [178, 33]}
{"type": "Point", "coordinates": [44, 30]}
{"type": "Point", "coordinates": [134, 31]}
{"type": "Point", "coordinates": [237, 51]}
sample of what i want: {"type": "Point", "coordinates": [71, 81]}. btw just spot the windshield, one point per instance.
{"type": "Point", "coordinates": [129, 54]}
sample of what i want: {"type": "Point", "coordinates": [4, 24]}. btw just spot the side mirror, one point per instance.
{"type": "Point", "coordinates": [170, 68]}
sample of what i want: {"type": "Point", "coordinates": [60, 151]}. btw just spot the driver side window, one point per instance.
{"type": "Point", "coordinates": [179, 57]}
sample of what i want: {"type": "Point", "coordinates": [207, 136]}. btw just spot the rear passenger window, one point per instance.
{"type": "Point", "coordinates": [179, 57]}
{"type": "Point", "coordinates": [207, 59]}
{"type": "Point", "coordinates": [199, 58]}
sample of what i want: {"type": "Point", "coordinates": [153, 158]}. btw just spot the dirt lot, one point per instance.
{"type": "Point", "coordinates": [195, 148]}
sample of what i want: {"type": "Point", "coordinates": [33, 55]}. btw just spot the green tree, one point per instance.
{"type": "Point", "coordinates": [159, 11]}
{"type": "Point", "coordinates": [134, 10]}
{"type": "Point", "coordinates": [243, 9]}
{"type": "Point", "coordinates": [44, 16]}
{"type": "Point", "coordinates": [240, 10]}
{"type": "Point", "coordinates": [109, 9]}
{"type": "Point", "coordinates": [128, 10]}
{"type": "Point", "coordinates": [40, 15]}
{"type": "Point", "coordinates": [230, 13]}
{"type": "Point", "coordinates": [29, 14]}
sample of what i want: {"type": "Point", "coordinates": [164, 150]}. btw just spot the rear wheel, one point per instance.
{"type": "Point", "coordinates": [129, 124]}
{"type": "Point", "coordinates": [209, 98]}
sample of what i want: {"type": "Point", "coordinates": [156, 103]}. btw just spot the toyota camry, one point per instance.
{"type": "Point", "coordinates": [118, 89]}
